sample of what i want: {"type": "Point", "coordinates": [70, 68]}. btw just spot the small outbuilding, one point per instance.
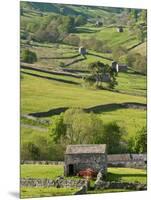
{"type": "Point", "coordinates": [115, 66]}
{"type": "Point", "coordinates": [122, 67]}
{"type": "Point", "coordinates": [98, 24]}
{"type": "Point", "coordinates": [84, 156]}
{"type": "Point", "coordinates": [119, 67]}
{"type": "Point", "coordinates": [82, 51]}
{"type": "Point", "coordinates": [120, 29]}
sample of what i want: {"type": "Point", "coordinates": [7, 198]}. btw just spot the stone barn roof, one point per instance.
{"type": "Point", "coordinates": [86, 149]}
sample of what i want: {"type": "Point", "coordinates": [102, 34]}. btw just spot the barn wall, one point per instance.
{"type": "Point", "coordinates": [82, 161]}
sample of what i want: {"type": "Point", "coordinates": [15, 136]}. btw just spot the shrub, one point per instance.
{"type": "Point", "coordinates": [28, 56]}
{"type": "Point", "coordinates": [29, 151]}
{"type": "Point", "coordinates": [112, 136]}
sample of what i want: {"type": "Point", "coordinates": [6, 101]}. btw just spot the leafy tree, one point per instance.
{"type": "Point", "coordinates": [98, 71]}
{"type": "Point", "coordinates": [76, 127]}
{"type": "Point", "coordinates": [29, 151]}
{"type": "Point", "coordinates": [58, 129]}
{"type": "Point", "coordinates": [28, 56]}
{"type": "Point", "coordinates": [112, 136]}
{"type": "Point", "coordinates": [141, 141]}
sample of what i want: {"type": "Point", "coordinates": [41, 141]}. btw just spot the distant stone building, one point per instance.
{"type": "Point", "coordinates": [119, 67]}
{"type": "Point", "coordinates": [115, 66]}
{"type": "Point", "coordinates": [120, 29]}
{"type": "Point", "coordinates": [122, 68]}
{"type": "Point", "coordinates": [98, 24]}
{"type": "Point", "coordinates": [82, 51]}
{"type": "Point", "coordinates": [80, 157]}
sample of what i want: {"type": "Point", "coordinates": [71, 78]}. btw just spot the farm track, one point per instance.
{"type": "Point", "coordinates": [34, 127]}
{"type": "Point", "coordinates": [96, 109]}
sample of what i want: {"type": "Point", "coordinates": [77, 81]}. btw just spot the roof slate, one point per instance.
{"type": "Point", "coordinates": [86, 149]}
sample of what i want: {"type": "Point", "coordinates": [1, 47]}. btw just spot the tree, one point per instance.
{"type": "Point", "coordinates": [28, 56]}
{"type": "Point", "coordinates": [98, 71]}
{"type": "Point", "coordinates": [141, 141]}
{"type": "Point", "coordinates": [58, 129]}
{"type": "Point", "coordinates": [76, 127]}
{"type": "Point", "coordinates": [29, 151]}
{"type": "Point", "coordinates": [112, 136]}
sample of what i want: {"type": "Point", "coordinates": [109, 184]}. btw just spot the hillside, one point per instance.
{"type": "Point", "coordinates": [56, 80]}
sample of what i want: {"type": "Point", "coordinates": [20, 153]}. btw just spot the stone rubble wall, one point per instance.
{"type": "Point", "coordinates": [58, 183]}
{"type": "Point", "coordinates": [114, 160]}
{"type": "Point", "coordinates": [120, 185]}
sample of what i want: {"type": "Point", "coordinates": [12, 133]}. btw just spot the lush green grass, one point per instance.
{"type": "Point", "coordinates": [39, 94]}
{"type": "Point", "coordinates": [46, 192]}
{"type": "Point", "coordinates": [132, 119]}
{"type": "Point", "coordinates": [112, 37]}
{"type": "Point", "coordinates": [132, 83]}
{"type": "Point", "coordinates": [53, 171]}
{"type": "Point", "coordinates": [41, 171]}
{"type": "Point", "coordinates": [127, 175]}
{"type": "Point", "coordinates": [107, 191]}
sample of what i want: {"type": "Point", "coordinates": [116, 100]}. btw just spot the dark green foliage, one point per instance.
{"type": "Point", "coordinates": [141, 141]}
{"type": "Point", "coordinates": [98, 71]}
{"type": "Point", "coordinates": [58, 129]}
{"type": "Point", "coordinates": [112, 136]}
{"type": "Point", "coordinates": [138, 144]}
{"type": "Point", "coordinates": [78, 127]}
{"type": "Point", "coordinates": [28, 56]}
{"type": "Point", "coordinates": [29, 151]}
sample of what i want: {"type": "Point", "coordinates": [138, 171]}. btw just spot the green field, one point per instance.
{"type": "Point", "coordinates": [53, 171]}
{"type": "Point", "coordinates": [60, 84]}
{"type": "Point", "coordinates": [46, 192]}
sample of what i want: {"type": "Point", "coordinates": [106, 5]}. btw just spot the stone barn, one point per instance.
{"type": "Point", "coordinates": [115, 66]}
{"type": "Point", "coordinates": [81, 157]}
{"type": "Point", "coordinates": [120, 29]}
{"type": "Point", "coordinates": [82, 51]}
{"type": "Point", "coordinates": [119, 67]}
{"type": "Point", "coordinates": [98, 24]}
{"type": "Point", "coordinates": [122, 68]}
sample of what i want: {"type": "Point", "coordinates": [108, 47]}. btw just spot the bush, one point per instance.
{"type": "Point", "coordinates": [141, 141]}
{"type": "Point", "coordinates": [29, 151]}
{"type": "Point", "coordinates": [112, 136]}
{"type": "Point", "coordinates": [28, 56]}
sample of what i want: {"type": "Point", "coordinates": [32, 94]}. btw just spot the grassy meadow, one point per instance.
{"type": "Point", "coordinates": [55, 80]}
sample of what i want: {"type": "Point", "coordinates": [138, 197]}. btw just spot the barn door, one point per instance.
{"type": "Point", "coordinates": [71, 170]}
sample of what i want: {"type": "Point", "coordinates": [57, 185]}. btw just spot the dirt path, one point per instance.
{"type": "Point", "coordinates": [35, 127]}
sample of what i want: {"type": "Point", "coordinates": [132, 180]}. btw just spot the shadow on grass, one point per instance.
{"type": "Point", "coordinates": [95, 109]}
{"type": "Point", "coordinates": [50, 78]}
{"type": "Point", "coordinates": [118, 177]}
